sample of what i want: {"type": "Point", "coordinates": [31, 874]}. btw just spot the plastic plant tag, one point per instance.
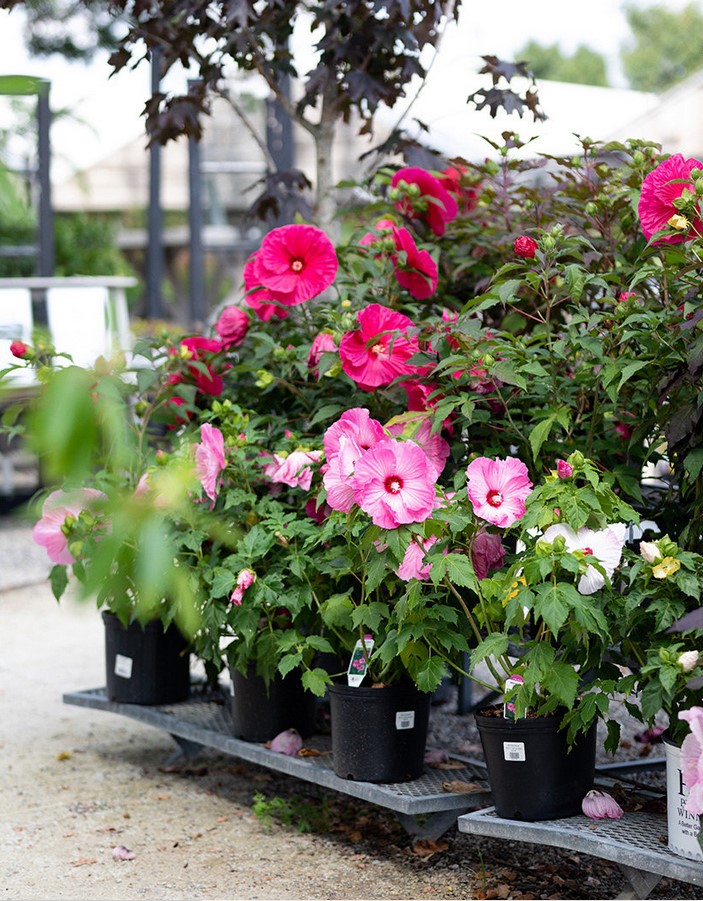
{"type": "Point", "coordinates": [514, 751]}
{"type": "Point", "coordinates": [123, 666]}
{"type": "Point", "coordinates": [508, 706]}
{"type": "Point", "coordinates": [359, 661]}
{"type": "Point", "coordinates": [405, 719]}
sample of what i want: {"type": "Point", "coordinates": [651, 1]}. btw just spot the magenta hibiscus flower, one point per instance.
{"type": "Point", "coordinates": [59, 505]}
{"type": "Point", "coordinates": [210, 459]}
{"type": "Point", "coordinates": [355, 424]}
{"type": "Point", "coordinates": [265, 303]}
{"type": "Point", "coordinates": [498, 489]}
{"type": "Point", "coordinates": [436, 206]}
{"type": "Point", "coordinates": [394, 483]}
{"type": "Point", "coordinates": [415, 269]}
{"type": "Point", "coordinates": [232, 326]}
{"type": "Point", "coordinates": [296, 263]}
{"type": "Point", "coordinates": [660, 188]}
{"type": "Point", "coordinates": [377, 352]}
{"type": "Point", "coordinates": [294, 470]}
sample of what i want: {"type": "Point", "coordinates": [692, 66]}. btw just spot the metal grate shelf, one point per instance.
{"type": "Point", "coordinates": [637, 842]}
{"type": "Point", "coordinates": [205, 720]}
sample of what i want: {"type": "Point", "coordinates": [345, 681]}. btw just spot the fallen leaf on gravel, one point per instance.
{"type": "Point", "coordinates": [426, 848]}
{"type": "Point", "coordinates": [83, 861]}
{"type": "Point", "coordinates": [64, 755]}
{"type": "Point", "coordinates": [122, 853]}
{"type": "Point", "coordinates": [458, 787]}
{"type": "Point", "coordinates": [162, 797]}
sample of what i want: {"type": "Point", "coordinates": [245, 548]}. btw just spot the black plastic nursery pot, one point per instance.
{"type": "Point", "coordinates": [532, 773]}
{"type": "Point", "coordinates": [144, 664]}
{"type": "Point", "coordinates": [261, 712]}
{"type": "Point", "coordinates": [379, 734]}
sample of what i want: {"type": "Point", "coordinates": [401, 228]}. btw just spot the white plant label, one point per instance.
{"type": "Point", "coordinates": [514, 750]}
{"type": "Point", "coordinates": [405, 719]}
{"type": "Point", "coordinates": [359, 661]}
{"type": "Point", "coordinates": [123, 666]}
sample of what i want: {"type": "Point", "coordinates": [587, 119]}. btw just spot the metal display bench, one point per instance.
{"type": "Point", "coordinates": [424, 808]}
{"type": "Point", "coordinates": [636, 842]}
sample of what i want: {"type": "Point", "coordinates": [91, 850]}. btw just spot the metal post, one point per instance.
{"type": "Point", "coordinates": [279, 141]}
{"type": "Point", "coordinates": [155, 250]}
{"type": "Point", "coordinates": [46, 214]}
{"type": "Point", "coordinates": [198, 306]}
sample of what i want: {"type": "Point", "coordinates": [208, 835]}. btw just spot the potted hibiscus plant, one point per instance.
{"type": "Point", "coordinates": [117, 519]}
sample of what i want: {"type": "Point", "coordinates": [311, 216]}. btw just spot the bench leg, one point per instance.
{"type": "Point", "coordinates": [432, 827]}
{"type": "Point", "coordinates": [641, 882]}
{"type": "Point", "coordinates": [186, 748]}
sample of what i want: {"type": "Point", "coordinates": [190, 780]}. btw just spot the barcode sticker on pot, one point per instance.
{"type": "Point", "coordinates": [405, 719]}
{"type": "Point", "coordinates": [123, 666]}
{"type": "Point", "coordinates": [514, 750]}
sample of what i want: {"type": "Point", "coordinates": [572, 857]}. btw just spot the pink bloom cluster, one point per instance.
{"type": "Point", "coordinates": [293, 264]}
{"type": "Point", "coordinates": [390, 479]}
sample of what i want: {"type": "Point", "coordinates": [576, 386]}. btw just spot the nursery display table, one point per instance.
{"type": "Point", "coordinates": [637, 843]}
{"type": "Point", "coordinates": [424, 808]}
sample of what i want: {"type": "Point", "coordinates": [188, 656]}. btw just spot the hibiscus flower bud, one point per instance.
{"type": "Point", "coordinates": [525, 247]}
{"type": "Point", "coordinates": [19, 349]}
{"type": "Point", "coordinates": [564, 469]}
{"type": "Point", "coordinates": [599, 805]}
{"type": "Point", "coordinates": [688, 660]}
{"type": "Point", "coordinates": [650, 551]}
{"type": "Point", "coordinates": [232, 326]}
{"type": "Point", "coordinates": [679, 222]}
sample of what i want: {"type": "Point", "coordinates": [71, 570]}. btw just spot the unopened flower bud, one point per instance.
{"type": "Point", "coordinates": [649, 551]}
{"type": "Point", "coordinates": [576, 459]}
{"type": "Point", "coordinates": [525, 247]}
{"type": "Point", "coordinates": [601, 806]}
{"type": "Point", "coordinates": [19, 349]}
{"type": "Point", "coordinates": [679, 222]}
{"type": "Point", "coordinates": [688, 660]}
{"type": "Point", "coordinates": [638, 157]}
{"type": "Point", "coordinates": [699, 186]}
{"type": "Point", "coordinates": [564, 469]}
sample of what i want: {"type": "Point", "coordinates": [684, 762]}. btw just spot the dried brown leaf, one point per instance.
{"type": "Point", "coordinates": [458, 787]}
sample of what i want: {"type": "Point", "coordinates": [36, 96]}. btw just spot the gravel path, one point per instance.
{"type": "Point", "coordinates": [78, 783]}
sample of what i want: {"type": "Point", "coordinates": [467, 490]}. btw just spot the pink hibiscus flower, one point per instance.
{"type": "Point", "coordinates": [200, 350]}
{"type": "Point", "coordinates": [232, 326]}
{"type": "Point", "coordinates": [605, 545]}
{"type": "Point", "coordinates": [394, 483]}
{"type": "Point", "coordinates": [692, 759]}
{"type": "Point", "coordinates": [338, 477]}
{"type": "Point", "coordinates": [466, 195]}
{"type": "Point", "coordinates": [415, 270]}
{"type": "Point", "coordinates": [355, 424]}
{"type": "Point", "coordinates": [322, 344]}
{"type": "Point", "coordinates": [266, 304]}
{"type": "Point", "coordinates": [436, 206]}
{"type": "Point", "coordinates": [48, 531]}
{"type": "Point", "coordinates": [377, 352]}
{"type": "Point", "coordinates": [498, 489]}
{"type": "Point", "coordinates": [210, 459]}
{"type": "Point", "coordinates": [413, 565]}
{"type": "Point", "coordinates": [660, 188]}
{"type": "Point", "coordinates": [294, 470]}
{"type": "Point", "coordinates": [419, 430]}
{"type": "Point", "coordinates": [376, 240]}
{"type": "Point", "coordinates": [245, 579]}
{"type": "Point", "coordinates": [296, 263]}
